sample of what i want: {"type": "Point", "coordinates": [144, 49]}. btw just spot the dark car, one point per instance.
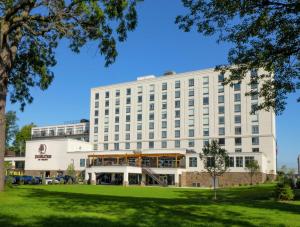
{"type": "Point", "coordinates": [68, 178]}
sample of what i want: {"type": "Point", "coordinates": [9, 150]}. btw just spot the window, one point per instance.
{"type": "Point", "coordinates": [254, 85]}
{"type": "Point", "coordinates": [106, 120]}
{"type": "Point", "coordinates": [239, 162]}
{"type": "Point", "coordinates": [177, 113]}
{"type": "Point", "coordinates": [205, 100]}
{"type": "Point", "coordinates": [193, 161]}
{"type": "Point", "coordinates": [221, 99]}
{"type": "Point", "coordinates": [238, 150]}
{"type": "Point", "coordinates": [221, 120]}
{"type": "Point", "coordinates": [191, 92]}
{"type": "Point", "coordinates": [117, 128]}
{"type": "Point", "coordinates": [127, 136]}
{"type": "Point", "coordinates": [205, 143]}
{"type": "Point", "coordinates": [221, 88]}
{"type": "Point", "coordinates": [191, 122]}
{"type": "Point", "coordinates": [191, 143]}
{"type": "Point", "coordinates": [221, 109]}
{"type": "Point", "coordinates": [254, 118]}
{"type": "Point", "coordinates": [117, 110]}
{"type": "Point", "coordinates": [151, 97]}
{"type": "Point", "coordinates": [164, 105]}
{"type": "Point", "coordinates": [164, 86]}
{"type": "Point", "coordinates": [128, 91]}
{"type": "Point", "coordinates": [191, 82]}
{"type": "Point", "coordinates": [95, 129]}
{"type": "Point", "coordinates": [177, 133]}
{"type": "Point", "coordinates": [164, 115]}
{"type": "Point", "coordinates": [191, 132]}
{"type": "Point", "coordinates": [221, 131]}
{"type": "Point", "coordinates": [139, 145]}
{"type": "Point", "coordinates": [221, 141]}
{"type": "Point", "coordinates": [127, 145]}
{"type": "Point", "coordinates": [255, 140]}
{"type": "Point", "coordinates": [248, 159]}
{"type": "Point", "coordinates": [117, 93]}
{"type": "Point", "coordinates": [231, 162]}
{"type": "Point", "coordinates": [139, 126]}
{"type": "Point", "coordinates": [82, 162]}
{"type": "Point", "coordinates": [116, 146]}
{"type": "Point", "coordinates": [96, 121]}
{"type": "Point", "coordinates": [177, 94]}
{"type": "Point", "coordinates": [254, 107]}
{"type": "Point", "coordinates": [139, 136]}
{"type": "Point", "coordinates": [151, 125]}
{"type": "Point", "coordinates": [237, 119]}
{"type": "Point", "coordinates": [238, 141]}
{"type": "Point", "coordinates": [152, 87]}
{"type": "Point", "coordinates": [116, 137]}
{"type": "Point", "coordinates": [221, 78]}
{"type": "Point", "coordinates": [164, 96]}
{"type": "Point", "coordinates": [128, 109]}
{"type": "Point", "coordinates": [139, 117]}
{"type": "Point", "coordinates": [237, 108]}
{"type": "Point", "coordinates": [255, 149]}
{"type": "Point", "coordinates": [205, 110]}
{"type": "Point", "coordinates": [191, 112]}
{"type": "Point", "coordinates": [128, 100]}
{"type": "Point", "coordinates": [117, 119]}
{"type": "Point", "coordinates": [205, 131]}
{"type": "Point", "coordinates": [177, 123]}
{"type": "Point", "coordinates": [177, 104]}
{"type": "Point", "coordinates": [151, 116]}
{"type": "Point", "coordinates": [117, 102]}
{"type": "Point", "coordinates": [177, 143]}
{"type": "Point", "coordinates": [237, 87]}
{"type": "Point", "coordinates": [164, 124]}
{"type": "Point", "coordinates": [107, 94]}
{"type": "Point", "coordinates": [127, 118]}
{"type": "Point", "coordinates": [96, 113]}
{"type": "Point", "coordinates": [127, 127]}
{"type": "Point", "coordinates": [140, 89]}
{"type": "Point", "coordinates": [191, 102]}
{"type": "Point", "coordinates": [205, 120]}
{"type": "Point", "coordinates": [97, 104]}
{"type": "Point", "coordinates": [140, 99]}
{"type": "Point", "coordinates": [97, 96]}
{"type": "Point", "coordinates": [139, 108]}
{"type": "Point", "coordinates": [106, 129]}
{"type": "Point", "coordinates": [237, 97]}
{"type": "Point", "coordinates": [205, 91]}
{"type": "Point", "coordinates": [151, 144]}
{"type": "Point", "coordinates": [163, 144]}
{"type": "Point", "coordinates": [164, 134]}
{"type": "Point", "coordinates": [255, 129]}
{"type": "Point", "coordinates": [105, 138]}
{"type": "Point", "coordinates": [177, 84]}
{"type": "Point", "coordinates": [205, 80]}
{"type": "Point", "coordinates": [210, 162]}
{"type": "Point", "coordinates": [106, 111]}
{"type": "Point", "coordinates": [105, 146]}
{"type": "Point", "coordinates": [237, 130]}
{"type": "Point", "coordinates": [151, 135]}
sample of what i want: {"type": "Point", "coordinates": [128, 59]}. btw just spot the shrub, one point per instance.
{"type": "Point", "coordinates": [61, 181]}
{"type": "Point", "coordinates": [70, 181]}
{"type": "Point", "coordinates": [9, 181]}
{"type": "Point", "coordinates": [44, 181]}
{"type": "Point", "coordinates": [298, 183]}
{"type": "Point", "coordinates": [284, 191]}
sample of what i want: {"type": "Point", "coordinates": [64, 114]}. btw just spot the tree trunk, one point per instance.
{"type": "Point", "coordinates": [215, 189]}
{"type": "Point", "coordinates": [3, 93]}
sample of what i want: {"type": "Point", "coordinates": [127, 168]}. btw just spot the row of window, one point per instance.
{"type": "Point", "coordinates": [233, 161]}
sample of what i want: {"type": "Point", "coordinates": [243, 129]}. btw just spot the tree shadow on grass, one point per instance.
{"type": "Point", "coordinates": [76, 209]}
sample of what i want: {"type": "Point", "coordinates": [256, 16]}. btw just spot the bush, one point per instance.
{"type": "Point", "coordinates": [298, 183]}
{"type": "Point", "coordinates": [44, 181]}
{"type": "Point", "coordinates": [284, 191]}
{"type": "Point", "coordinates": [61, 181]}
{"type": "Point", "coordinates": [9, 181]}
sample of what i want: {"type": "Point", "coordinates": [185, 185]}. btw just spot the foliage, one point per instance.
{"type": "Point", "coordinates": [253, 167]}
{"type": "Point", "coordinates": [7, 167]}
{"type": "Point", "coordinates": [284, 191]}
{"type": "Point", "coordinates": [22, 136]}
{"type": "Point", "coordinates": [264, 35]}
{"type": "Point", "coordinates": [71, 171]}
{"type": "Point", "coordinates": [11, 127]}
{"type": "Point", "coordinates": [9, 181]}
{"type": "Point", "coordinates": [298, 183]}
{"type": "Point", "coordinates": [215, 160]}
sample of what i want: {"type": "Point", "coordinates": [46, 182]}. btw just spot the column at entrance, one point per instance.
{"type": "Point", "coordinates": [176, 176]}
{"type": "Point", "coordinates": [125, 178]}
{"type": "Point", "coordinates": [143, 181]}
{"type": "Point", "coordinates": [93, 178]}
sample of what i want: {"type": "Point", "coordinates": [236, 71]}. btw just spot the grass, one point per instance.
{"type": "Point", "coordinates": [87, 205]}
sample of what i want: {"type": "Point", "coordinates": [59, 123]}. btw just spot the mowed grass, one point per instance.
{"type": "Point", "coordinates": [87, 205]}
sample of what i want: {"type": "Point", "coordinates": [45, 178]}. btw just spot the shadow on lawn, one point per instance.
{"type": "Point", "coordinates": [192, 208]}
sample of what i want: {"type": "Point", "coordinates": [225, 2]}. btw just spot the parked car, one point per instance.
{"type": "Point", "coordinates": [68, 178]}
{"type": "Point", "coordinates": [18, 179]}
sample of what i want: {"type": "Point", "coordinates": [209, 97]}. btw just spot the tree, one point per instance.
{"type": "Point", "coordinates": [253, 167]}
{"type": "Point", "coordinates": [22, 136]}
{"type": "Point", "coordinates": [11, 127]}
{"type": "Point", "coordinates": [30, 31]}
{"type": "Point", "coordinates": [265, 35]}
{"type": "Point", "coordinates": [215, 160]}
{"type": "Point", "coordinates": [71, 170]}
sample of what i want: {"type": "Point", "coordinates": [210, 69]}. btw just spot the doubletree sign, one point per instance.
{"type": "Point", "coordinates": [42, 156]}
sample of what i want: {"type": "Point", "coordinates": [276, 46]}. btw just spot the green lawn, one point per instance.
{"type": "Point", "coordinates": [86, 205]}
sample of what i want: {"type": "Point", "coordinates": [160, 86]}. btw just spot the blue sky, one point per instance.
{"type": "Point", "coordinates": [157, 45]}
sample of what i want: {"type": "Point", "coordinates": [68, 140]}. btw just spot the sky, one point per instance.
{"type": "Point", "coordinates": [156, 46]}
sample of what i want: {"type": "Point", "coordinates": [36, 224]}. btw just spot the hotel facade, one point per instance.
{"type": "Point", "coordinates": [151, 131]}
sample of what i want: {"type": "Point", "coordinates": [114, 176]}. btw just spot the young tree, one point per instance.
{"type": "Point", "coordinates": [11, 127]}
{"type": "Point", "coordinates": [215, 160]}
{"type": "Point", "coordinates": [21, 137]}
{"type": "Point", "coordinates": [30, 31]}
{"type": "Point", "coordinates": [71, 170]}
{"type": "Point", "coordinates": [253, 167]}
{"type": "Point", "coordinates": [265, 35]}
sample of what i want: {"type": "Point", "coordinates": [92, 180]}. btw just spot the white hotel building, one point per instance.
{"type": "Point", "coordinates": [152, 130]}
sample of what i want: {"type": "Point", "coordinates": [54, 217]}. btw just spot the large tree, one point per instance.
{"type": "Point", "coordinates": [30, 31]}
{"type": "Point", "coordinates": [21, 137]}
{"type": "Point", "coordinates": [11, 127]}
{"type": "Point", "coordinates": [215, 160]}
{"type": "Point", "coordinates": [265, 35]}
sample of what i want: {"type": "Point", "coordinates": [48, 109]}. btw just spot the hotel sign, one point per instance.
{"type": "Point", "coordinates": [42, 156]}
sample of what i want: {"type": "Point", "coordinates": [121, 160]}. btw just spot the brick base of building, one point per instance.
{"type": "Point", "coordinates": [202, 179]}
